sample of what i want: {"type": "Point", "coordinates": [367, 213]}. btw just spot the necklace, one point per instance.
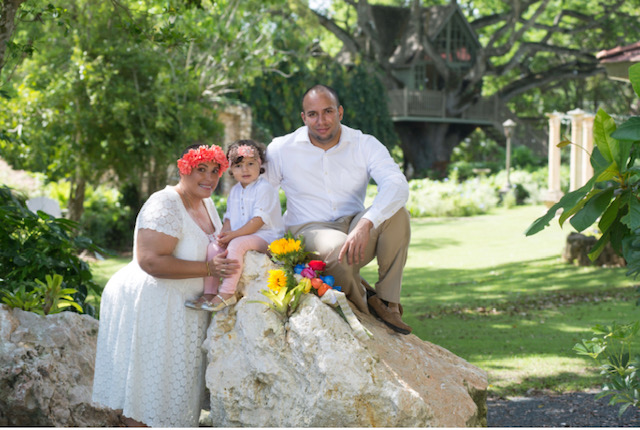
{"type": "Point", "coordinates": [196, 216]}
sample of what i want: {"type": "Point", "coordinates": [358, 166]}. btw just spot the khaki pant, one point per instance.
{"type": "Point", "coordinates": [389, 243]}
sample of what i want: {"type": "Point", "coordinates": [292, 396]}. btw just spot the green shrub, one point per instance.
{"type": "Point", "coordinates": [522, 157]}
{"type": "Point", "coordinates": [450, 197]}
{"type": "Point", "coordinates": [611, 350]}
{"type": "Point", "coordinates": [470, 169]}
{"type": "Point", "coordinates": [49, 298]}
{"type": "Point", "coordinates": [35, 245]}
{"type": "Point", "coordinates": [476, 195]}
{"type": "Point", "coordinates": [106, 219]}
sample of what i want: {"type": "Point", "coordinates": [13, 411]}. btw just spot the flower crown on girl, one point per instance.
{"type": "Point", "coordinates": [203, 154]}
{"type": "Point", "coordinates": [240, 149]}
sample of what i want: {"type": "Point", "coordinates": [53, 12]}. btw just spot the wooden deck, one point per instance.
{"type": "Point", "coordinates": [429, 106]}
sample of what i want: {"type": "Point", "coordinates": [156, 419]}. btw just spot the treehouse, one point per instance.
{"type": "Point", "coordinates": [420, 93]}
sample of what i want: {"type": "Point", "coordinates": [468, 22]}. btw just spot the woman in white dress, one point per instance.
{"type": "Point", "coordinates": [149, 360]}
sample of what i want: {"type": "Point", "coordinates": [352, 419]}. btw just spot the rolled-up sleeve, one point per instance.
{"type": "Point", "coordinates": [393, 188]}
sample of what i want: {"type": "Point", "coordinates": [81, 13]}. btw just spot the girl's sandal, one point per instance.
{"type": "Point", "coordinates": [219, 306]}
{"type": "Point", "coordinates": [201, 304]}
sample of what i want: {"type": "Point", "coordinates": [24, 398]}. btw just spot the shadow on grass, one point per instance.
{"type": "Point", "coordinates": [427, 288]}
{"type": "Point", "coordinates": [519, 321]}
{"type": "Point", "coordinates": [559, 382]}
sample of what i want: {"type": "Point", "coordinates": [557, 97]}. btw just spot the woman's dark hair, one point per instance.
{"type": "Point", "coordinates": [197, 144]}
{"type": "Point", "coordinates": [235, 158]}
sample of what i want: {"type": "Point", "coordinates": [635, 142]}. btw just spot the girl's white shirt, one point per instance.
{"type": "Point", "coordinates": [258, 199]}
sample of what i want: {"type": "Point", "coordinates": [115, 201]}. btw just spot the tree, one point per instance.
{"type": "Point", "coordinates": [8, 11]}
{"type": "Point", "coordinates": [527, 45]}
{"type": "Point", "coordinates": [119, 91]}
{"type": "Point", "coordinates": [276, 99]}
{"type": "Point", "coordinates": [97, 105]}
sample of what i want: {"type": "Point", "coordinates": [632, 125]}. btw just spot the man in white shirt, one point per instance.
{"type": "Point", "coordinates": [324, 168]}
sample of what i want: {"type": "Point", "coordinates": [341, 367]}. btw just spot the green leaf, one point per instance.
{"type": "Point", "coordinates": [598, 162]}
{"type": "Point", "coordinates": [609, 173]}
{"type": "Point", "coordinates": [634, 77]}
{"type": "Point", "coordinates": [564, 143]}
{"type": "Point", "coordinates": [629, 130]}
{"type": "Point", "coordinates": [621, 149]}
{"type": "Point", "coordinates": [632, 218]}
{"type": "Point", "coordinates": [610, 215]}
{"type": "Point", "coordinates": [603, 126]}
{"type": "Point", "coordinates": [592, 210]}
{"type": "Point", "coordinates": [598, 247]}
{"type": "Point", "coordinates": [567, 201]}
{"type": "Point", "coordinates": [569, 213]}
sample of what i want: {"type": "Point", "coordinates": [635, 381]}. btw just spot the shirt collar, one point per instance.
{"type": "Point", "coordinates": [302, 136]}
{"type": "Point", "coordinates": [254, 183]}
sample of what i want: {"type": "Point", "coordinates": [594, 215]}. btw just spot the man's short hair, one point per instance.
{"type": "Point", "coordinates": [321, 87]}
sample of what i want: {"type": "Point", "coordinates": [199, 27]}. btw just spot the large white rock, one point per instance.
{"type": "Point", "coordinates": [46, 370]}
{"type": "Point", "coordinates": [311, 371]}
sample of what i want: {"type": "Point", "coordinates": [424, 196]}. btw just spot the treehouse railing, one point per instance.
{"type": "Point", "coordinates": [432, 104]}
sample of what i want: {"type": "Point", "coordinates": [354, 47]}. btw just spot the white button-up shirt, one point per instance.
{"type": "Point", "coordinates": [324, 185]}
{"type": "Point", "coordinates": [258, 199]}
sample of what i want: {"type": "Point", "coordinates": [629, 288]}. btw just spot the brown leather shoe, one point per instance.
{"type": "Point", "coordinates": [371, 292]}
{"type": "Point", "coordinates": [392, 319]}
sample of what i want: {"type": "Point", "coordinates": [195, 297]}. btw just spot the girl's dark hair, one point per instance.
{"type": "Point", "coordinates": [234, 158]}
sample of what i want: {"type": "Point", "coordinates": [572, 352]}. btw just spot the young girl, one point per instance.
{"type": "Point", "coordinates": [252, 221]}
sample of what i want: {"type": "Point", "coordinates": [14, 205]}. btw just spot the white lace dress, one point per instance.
{"type": "Point", "coordinates": [149, 360]}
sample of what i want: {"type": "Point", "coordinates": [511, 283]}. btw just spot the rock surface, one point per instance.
{"type": "Point", "coordinates": [46, 370]}
{"type": "Point", "coordinates": [310, 371]}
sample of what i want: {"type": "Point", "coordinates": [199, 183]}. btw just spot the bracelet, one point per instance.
{"type": "Point", "coordinates": [208, 268]}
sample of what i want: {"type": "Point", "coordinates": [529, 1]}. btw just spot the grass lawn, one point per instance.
{"type": "Point", "coordinates": [504, 302]}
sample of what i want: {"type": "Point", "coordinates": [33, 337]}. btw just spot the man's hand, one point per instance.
{"type": "Point", "coordinates": [356, 242]}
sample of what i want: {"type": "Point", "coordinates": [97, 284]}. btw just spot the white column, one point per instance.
{"type": "Point", "coordinates": [575, 168]}
{"type": "Point", "coordinates": [587, 144]}
{"type": "Point", "coordinates": [554, 192]}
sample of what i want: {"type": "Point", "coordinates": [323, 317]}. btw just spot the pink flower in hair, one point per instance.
{"type": "Point", "coordinates": [246, 151]}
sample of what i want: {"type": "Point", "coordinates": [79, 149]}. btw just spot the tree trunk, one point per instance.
{"type": "Point", "coordinates": [76, 198]}
{"type": "Point", "coordinates": [428, 145]}
{"type": "Point", "coordinates": [8, 10]}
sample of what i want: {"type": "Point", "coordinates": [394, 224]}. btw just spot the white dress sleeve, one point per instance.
{"type": "Point", "coordinates": [162, 213]}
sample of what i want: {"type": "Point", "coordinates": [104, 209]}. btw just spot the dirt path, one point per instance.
{"type": "Point", "coordinates": [558, 410]}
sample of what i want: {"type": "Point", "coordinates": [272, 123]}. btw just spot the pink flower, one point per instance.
{"type": "Point", "coordinates": [246, 151]}
{"type": "Point", "coordinates": [307, 272]}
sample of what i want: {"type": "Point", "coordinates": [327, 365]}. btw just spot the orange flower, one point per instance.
{"type": "Point", "coordinates": [323, 289]}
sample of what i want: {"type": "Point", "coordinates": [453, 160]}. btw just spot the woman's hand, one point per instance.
{"type": "Point", "coordinates": [222, 266]}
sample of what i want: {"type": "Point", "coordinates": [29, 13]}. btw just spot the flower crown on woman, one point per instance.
{"type": "Point", "coordinates": [196, 154]}
{"type": "Point", "coordinates": [248, 148]}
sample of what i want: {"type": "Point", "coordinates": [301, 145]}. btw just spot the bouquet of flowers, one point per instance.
{"type": "Point", "coordinates": [296, 276]}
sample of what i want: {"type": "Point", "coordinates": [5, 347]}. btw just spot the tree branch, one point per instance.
{"type": "Point", "coordinates": [572, 70]}
{"type": "Point", "coordinates": [349, 42]}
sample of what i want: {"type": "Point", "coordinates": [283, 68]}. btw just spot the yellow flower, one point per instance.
{"type": "Point", "coordinates": [277, 280]}
{"type": "Point", "coordinates": [284, 246]}
{"type": "Point", "coordinates": [306, 285]}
